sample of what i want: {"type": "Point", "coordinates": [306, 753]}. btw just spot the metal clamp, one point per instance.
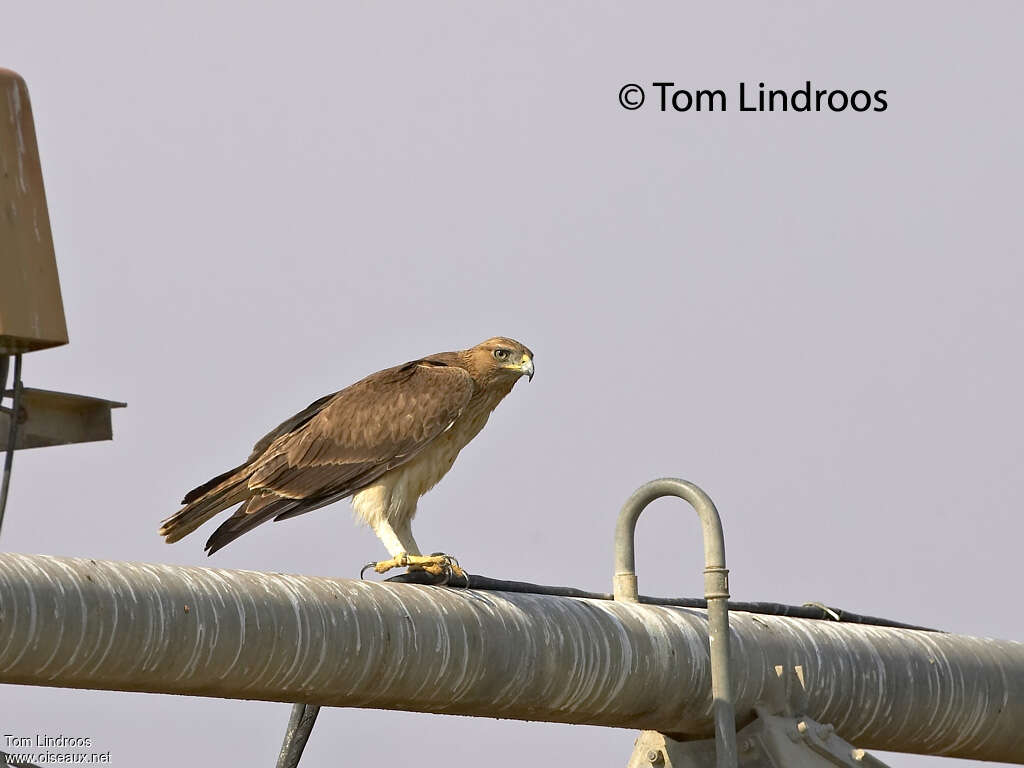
{"type": "Point", "coordinates": [716, 592]}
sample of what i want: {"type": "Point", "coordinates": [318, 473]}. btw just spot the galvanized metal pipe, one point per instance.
{"type": "Point", "coordinates": [237, 634]}
{"type": "Point", "coordinates": [716, 592]}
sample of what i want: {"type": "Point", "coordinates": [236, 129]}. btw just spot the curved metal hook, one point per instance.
{"type": "Point", "coordinates": [716, 592]}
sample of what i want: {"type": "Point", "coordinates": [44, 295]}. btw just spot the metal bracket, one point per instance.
{"type": "Point", "coordinates": [716, 592]}
{"type": "Point", "coordinates": [781, 737]}
{"type": "Point", "coordinates": [47, 418]}
{"type": "Point", "coordinates": [768, 742]}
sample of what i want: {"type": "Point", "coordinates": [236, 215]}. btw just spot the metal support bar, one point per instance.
{"type": "Point", "coordinates": [300, 726]}
{"type": "Point", "coordinates": [79, 623]}
{"type": "Point", "coordinates": [716, 592]}
{"type": "Point", "coordinates": [12, 432]}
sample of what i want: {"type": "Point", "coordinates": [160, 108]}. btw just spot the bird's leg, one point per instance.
{"type": "Point", "coordinates": [403, 532]}
{"type": "Point", "coordinates": [436, 564]}
{"type": "Point", "coordinates": [397, 548]}
{"type": "Point", "coordinates": [406, 553]}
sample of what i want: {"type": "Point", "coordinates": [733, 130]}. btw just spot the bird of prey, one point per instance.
{"type": "Point", "coordinates": [384, 441]}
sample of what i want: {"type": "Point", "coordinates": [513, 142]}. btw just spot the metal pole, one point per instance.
{"type": "Point", "coordinates": [300, 726]}
{"type": "Point", "coordinates": [12, 433]}
{"type": "Point", "coordinates": [716, 592]}
{"type": "Point", "coordinates": [80, 623]}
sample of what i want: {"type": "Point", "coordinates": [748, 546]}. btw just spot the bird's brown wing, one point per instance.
{"type": "Point", "coordinates": [261, 446]}
{"type": "Point", "coordinates": [363, 431]}
{"type": "Point", "coordinates": [289, 425]}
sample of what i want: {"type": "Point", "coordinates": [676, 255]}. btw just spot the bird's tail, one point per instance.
{"type": "Point", "coordinates": [207, 500]}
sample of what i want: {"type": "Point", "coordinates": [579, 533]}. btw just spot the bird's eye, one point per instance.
{"type": "Point", "coordinates": [501, 354]}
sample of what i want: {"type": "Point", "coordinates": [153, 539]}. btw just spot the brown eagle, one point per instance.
{"type": "Point", "coordinates": [384, 441]}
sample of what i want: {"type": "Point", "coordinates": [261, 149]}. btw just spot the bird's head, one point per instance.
{"type": "Point", "coordinates": [501, 359]}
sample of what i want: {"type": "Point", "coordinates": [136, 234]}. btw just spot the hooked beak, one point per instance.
{"type": "Point", "coordinates": [527, 367]}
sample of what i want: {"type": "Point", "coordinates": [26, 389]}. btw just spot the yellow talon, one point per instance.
{"type": "Point", "coordinates": [435, 565]}
{"type": "Point", "coordinates": [395, 562]}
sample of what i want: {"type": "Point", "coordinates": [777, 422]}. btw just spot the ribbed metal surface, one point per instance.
{"type": "Point", "coordinates": [238, 634]}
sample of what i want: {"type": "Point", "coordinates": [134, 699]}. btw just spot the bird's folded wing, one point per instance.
{"type": "Point", "coordinates": [362, 431]}
{"type": "Point", "coordinates": [289, 425]}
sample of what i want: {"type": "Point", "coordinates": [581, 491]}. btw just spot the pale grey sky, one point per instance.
{"type": "Point", "coordinates": [815, 316]}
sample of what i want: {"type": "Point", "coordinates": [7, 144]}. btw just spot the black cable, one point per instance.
{"type": "Point", "coordinates": [809, 611]}
{"type": "Point", "coordinates": [12, 432]}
